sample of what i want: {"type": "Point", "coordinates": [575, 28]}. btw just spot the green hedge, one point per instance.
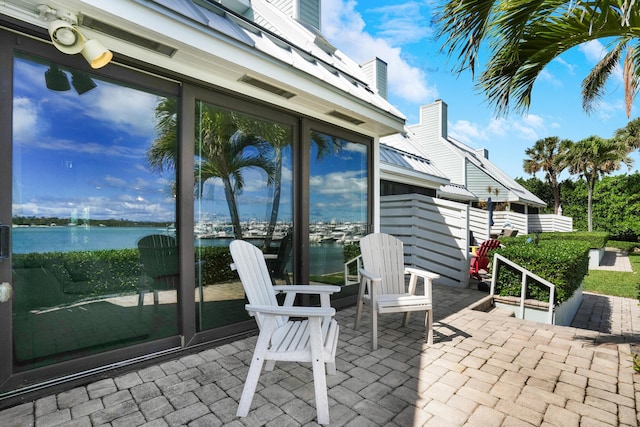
{"type": "Point", "coordinates": [563, 262]}
{"type": "Point", "coordinates": [215, 265]}
{"type": "Point", "coordinates": [105, 272]}
{"type": "Point", "coordinates": [596, 239]}
{"type": "Point", "coordinates": [87, 273]}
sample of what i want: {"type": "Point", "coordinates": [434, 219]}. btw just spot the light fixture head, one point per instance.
{"type": "Point", "coordinates": [81, 82]}
{"type": "Point", "coordinates": [96, 55]}
{"type": "Point", "coordinates": [56, 79]}
{"type": "Point", "coordinates": [66, 37]}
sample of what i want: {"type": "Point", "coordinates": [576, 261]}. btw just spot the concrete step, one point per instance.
{"type": "Point", "coordinates": [499, 311]}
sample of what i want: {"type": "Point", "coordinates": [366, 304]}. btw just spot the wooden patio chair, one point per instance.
{"type": "Point", "coordinates": [480, 260]}
{"type": "Point", "coordinates": [313, 339]}
{"type": "Point", "coordinates": [383, 287]}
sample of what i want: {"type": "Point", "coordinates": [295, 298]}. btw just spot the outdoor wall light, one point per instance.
{"type": "Point", "coordinates": [67, 38]}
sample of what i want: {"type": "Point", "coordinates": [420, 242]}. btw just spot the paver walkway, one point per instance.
{"type": "Point", "coordinates": [482, 370]}
{"type": "Point", "coordinates": [614, 260]}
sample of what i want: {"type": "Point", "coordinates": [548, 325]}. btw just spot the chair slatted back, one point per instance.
{"type": "Point", "coordinates": [249, 262]}
{"type": "Point", "coordinates": [486, 246]}
{"type": "Point", "coordinates": [159, 259]}
{"type": "Point", "coordinates": [383, 254]}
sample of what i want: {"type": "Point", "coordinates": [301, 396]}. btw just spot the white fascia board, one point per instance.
{"type": "Point", "coordinates": [405, 176]}
{"type": "Point", "coordinates": [221, 61]}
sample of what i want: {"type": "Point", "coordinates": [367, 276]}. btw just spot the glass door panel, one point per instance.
{"type": "Point", "coordinates": [338, 208]}
{"type": "Point", "coordinates": [95, 263]}
{"type": "Point", "coordinates": [243, 191]}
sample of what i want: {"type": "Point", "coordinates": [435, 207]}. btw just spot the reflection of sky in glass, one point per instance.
{"type": "Point", "coordinates": [85, 152]}
{"type": "Point", "coordinates": [338, 184]}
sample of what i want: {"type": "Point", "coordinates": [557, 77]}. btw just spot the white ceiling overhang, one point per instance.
{"type": "Point", "coordinates": [214, 49]}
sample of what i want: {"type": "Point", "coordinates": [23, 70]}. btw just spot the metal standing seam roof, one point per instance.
{"type": "Point", "coordinates": [281, 37]}
{"type": "Point", "coordinates": [456, 191]}
{"type": "Point", "coordinates": [400, 150]}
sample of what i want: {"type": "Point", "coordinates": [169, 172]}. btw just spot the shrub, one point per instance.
{"type": "Point", "coordinates": [215, 264]}
{"type": "Point", "coordinates": [561, 262]}
{"type": "Point", "coordinates": [351, 250]}
{"type": "Point", "coordinates": [596, 239]}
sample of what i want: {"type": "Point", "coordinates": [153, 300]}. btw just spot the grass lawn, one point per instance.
{"type": "Point", "coordinates": [615, 283]}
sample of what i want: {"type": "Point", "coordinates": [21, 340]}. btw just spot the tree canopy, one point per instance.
{"type": "Point", "coordinates": [523, 36]}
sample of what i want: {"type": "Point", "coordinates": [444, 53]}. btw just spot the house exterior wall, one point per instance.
{"type": "Point", "coordinates": [206, 70]}
{"type": "Point", "coordinates": [430, 133]}
{"type": "Point", "coordinates": [478, 182]}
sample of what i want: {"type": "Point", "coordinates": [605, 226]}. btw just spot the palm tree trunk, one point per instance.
{"type": "Point", "coordinates": [233, 208]}
{"type": "Point", "coordinates": [556, 195]}
{"type": "Point", "coordinates": [275, 206]}
{"type": "Point", "coordinates": [590, 187]}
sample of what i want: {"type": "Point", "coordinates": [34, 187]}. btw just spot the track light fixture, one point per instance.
{"type": "Point", "coordinates": [67, 38]}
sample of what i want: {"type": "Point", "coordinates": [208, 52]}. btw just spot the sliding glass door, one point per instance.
{"type": "Point", "coordinates": [95, 263]}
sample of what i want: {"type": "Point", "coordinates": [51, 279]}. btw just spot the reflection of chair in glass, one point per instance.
{"type": "Point", "coordinates": [383, 284]}
{"type": "Point", "coordinates": [277, 262]}
{"type": "Point", "coordinates": [313, 339]}
{"type": "Point", "coordinates": [159, 261]}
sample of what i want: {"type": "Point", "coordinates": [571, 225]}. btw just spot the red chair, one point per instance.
{"type": "Point", "coordinates": [480, 260]}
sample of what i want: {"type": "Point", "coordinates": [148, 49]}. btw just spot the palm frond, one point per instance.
{"type": "Point", "coordinates": [593, 86]}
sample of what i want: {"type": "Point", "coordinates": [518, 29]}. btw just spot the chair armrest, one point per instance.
{"type": "Point", "coordinates": [270, 256]}
{"type": "Point", "coordinates": [370, 276]}
{"type": "Point", "coordinates": [308, 289]}
{"type": "Point", "coordinates": [296, 311]}
{"type": "Point", "coordinates": [421, 273]}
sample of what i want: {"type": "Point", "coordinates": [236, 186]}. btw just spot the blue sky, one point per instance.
{"type": "Point", "coordinates": [401, 33]}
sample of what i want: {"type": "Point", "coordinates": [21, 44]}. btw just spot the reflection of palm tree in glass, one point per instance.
{"type": "Point", "coordinates": [225, 145]}
{"type": "Point", "coordinates": [279, 141]}
{"type": "Point", "coordinates": [164, 150]}
{"type": "Point", "coordinates": [225, 151]}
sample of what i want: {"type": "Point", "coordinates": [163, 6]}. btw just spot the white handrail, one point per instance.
{"type": "Point", "coordinates": [523, 288]}
{"type": "Point", "coordinates": [358, 261]}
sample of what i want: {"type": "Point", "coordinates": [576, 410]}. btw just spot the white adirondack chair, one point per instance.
{"type": "Point", "coordinates": [312, 340]}
{"type": "Point", "coordinates": [383, 287]}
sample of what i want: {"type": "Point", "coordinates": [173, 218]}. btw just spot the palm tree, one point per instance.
{"type": "Point", "coordinates": [547, 155]}
{"type": "Point", "coordinates": [630, 134]}
{"type": "Point", "coordinates": [592, 158]}
{"type": "Point", "coordinates": [226, 149]}
{"type": "Point", "coordinates": [523, 36]}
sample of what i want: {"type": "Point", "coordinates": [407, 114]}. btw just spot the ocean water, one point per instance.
{"type": "Point", "coordinates": [325, 257]}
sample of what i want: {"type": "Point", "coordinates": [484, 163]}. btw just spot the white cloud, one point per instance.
{"type": "Point", "coordinates": [593, 50]}
{"type": "Point", "coordinates": [26, 125]}
{"type": "Point", "coordinates": [402, 23]}
{"type": "Point", "coordinates": [125, 108]}
{"type": "Point", "coordinates": [346, 29]}
{"type": "Point", "coordinates": [569, 67]}
{"type": "Point", "coordinates": [529, 127]}
{"type": "Point", "coordinates": [467, 132]}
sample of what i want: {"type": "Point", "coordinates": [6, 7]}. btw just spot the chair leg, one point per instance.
{"type": "Point", "coordinates": [406, 319]}
{"type": "Point", "coordinates": [360, 304]}
{"type": "Point", "coordinates": [319, 374]}
{"type": "Point", "coordinates": [358, 314]}
{"type": "Point", "coordinates": [374, 328]}
{"type": "Point", "coordinates": [254, 370]}
{"type": "Point", "coordinates": [428, 320]}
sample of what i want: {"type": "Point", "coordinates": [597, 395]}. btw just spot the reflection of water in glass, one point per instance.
{"type": "Point", "coordinates": [324, 257]}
